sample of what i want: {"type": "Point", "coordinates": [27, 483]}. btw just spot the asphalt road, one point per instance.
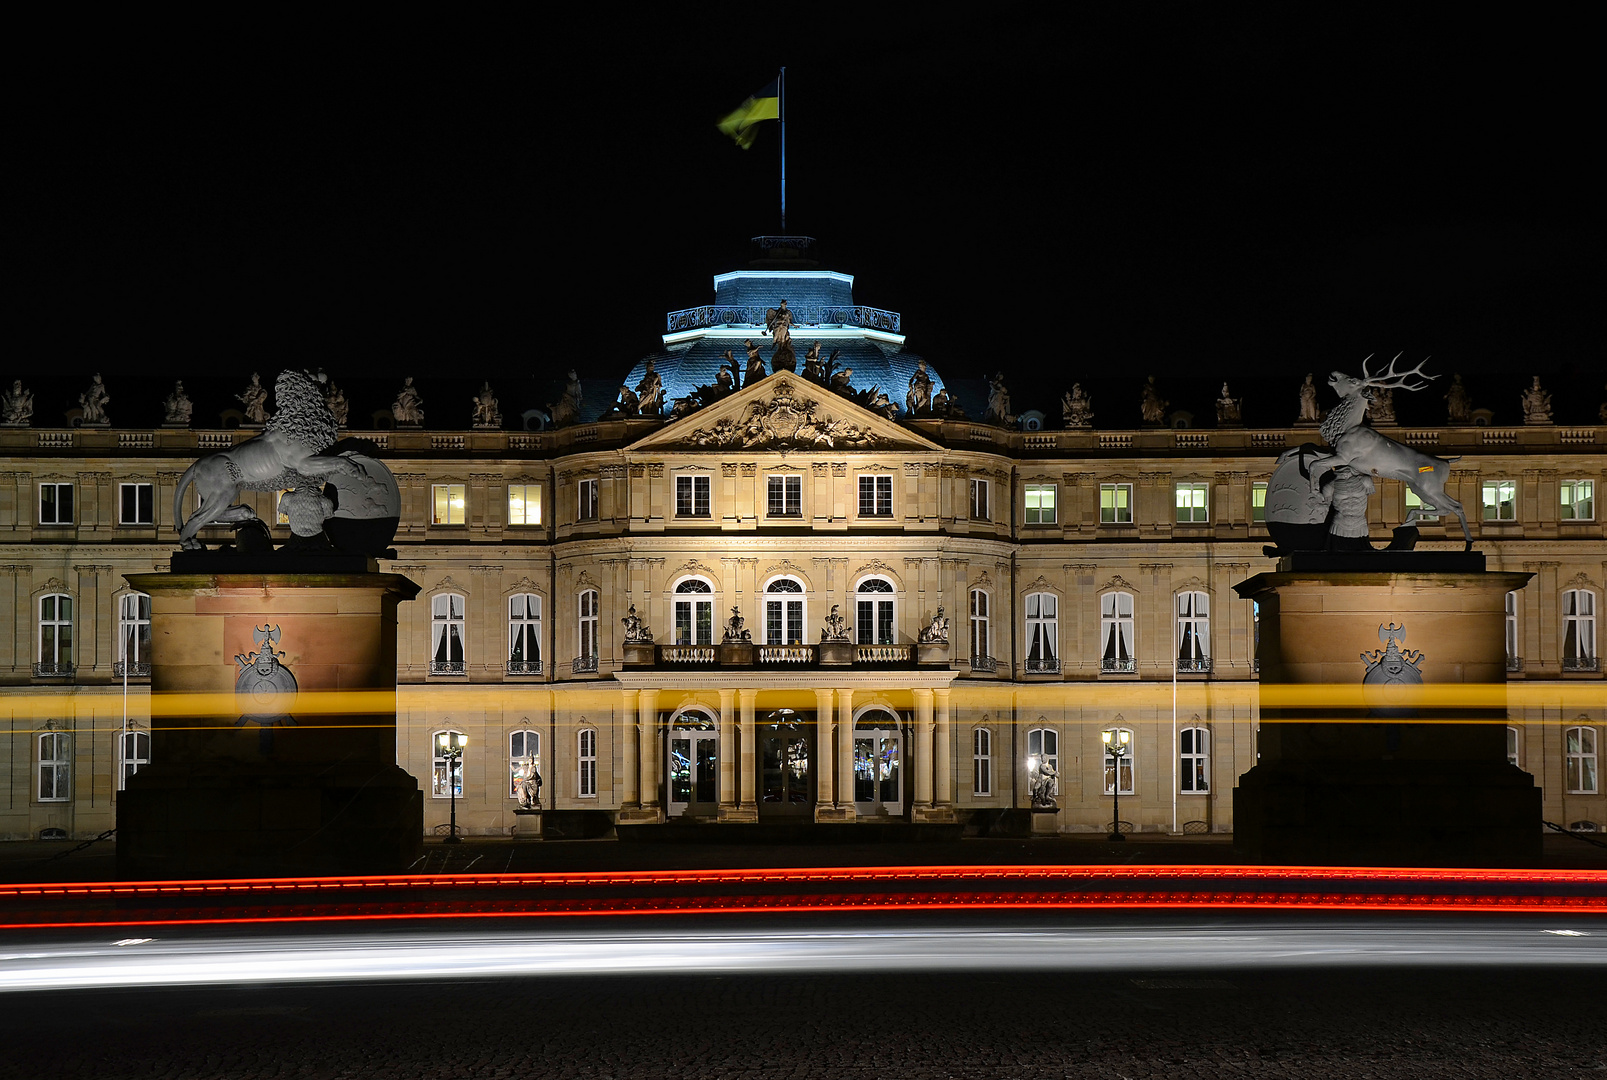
{"type": "Point", "coordinates": [1175, 996]}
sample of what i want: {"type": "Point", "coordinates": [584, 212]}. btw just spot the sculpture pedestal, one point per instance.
{"type": "Point", "coordinates": [1384, 760]}
{"type": "Point", "coordinates": [276, 752]}
{"type": "Point", "coordinates": [836, 653]}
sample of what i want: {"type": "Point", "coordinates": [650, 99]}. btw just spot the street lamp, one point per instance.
{"type": "Point", "coordinates": [451, 745]}
{"type": "Point", "coordinates": [1116, 746]}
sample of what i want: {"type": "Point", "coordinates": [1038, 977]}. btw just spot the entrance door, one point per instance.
{"type": "Point", "coordinates": [694, 773]}
{"type": "Point", "coordinates": [878, 776]}
{"type": "Point", "coordinates": [785, 777]}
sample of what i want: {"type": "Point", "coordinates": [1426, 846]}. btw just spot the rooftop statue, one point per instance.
{"type": "Point", "coordinates": [778, 321]}
{"type": "Point", "coordinates": [487, 410]}
{"type": "Point", "coordinates": [627, 404]}
{"type": "Point", "coordinates": [998, 401]}
{"type": "Point", "coordinates": [1228, 408]}
{"type": "Point", "coordinates": [1308, 401]}
{"type": "Point", "coordinates": [755, 368]}
{"type": "Point", "coordinates": [1381, 405]}
{"type": "Point", "coordinates": [1536, 404]}
{"type": "Point", "coordinates": [946, 406]}
{"type": "Point", "coordinates": [255, 399]}
{"type": "Point", "coordinates": [177, 409]}
{"type": "Point", "coordinates": [93, 404]}
{"type": "Point", "coordinates": [1601, 413]}
{"type": "Point", "coordinates": [813, 370]}
{"type": "Point", "coordinates": [408, 408]}
{"type": "Point", "coordinates": [650, 392]}
{"type": "Point", "coordinates": [16, 407]}
{"type": "Point", "coordinates": [339, 408]}
{"type": "Point", "coordinates": [1152, 407]}
{"type": "Point", "coordinates": [567, 410]}
{"type": "Point", "coordinates": [730, 375]}
{"type": "Point", "coordinates": [918, 401]}
{"type": "Point", "coordinates": [1458, 402]}
{"type": "Point", "coordinates": [1077, 408]}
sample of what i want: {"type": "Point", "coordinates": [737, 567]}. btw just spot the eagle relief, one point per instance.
{"type": "Point", "coordinates": [1390, 671]}
{"type": "Point", "coordinates": [264, 689]}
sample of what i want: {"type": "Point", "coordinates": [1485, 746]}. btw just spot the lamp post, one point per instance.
{"type": "Point", "coordinates": [452, 745]}
{"type": "Point", "coordinates": [1116, 746]}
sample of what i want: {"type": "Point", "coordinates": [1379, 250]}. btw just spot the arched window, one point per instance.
{"type": "Point", "coordinates": [694, 612]}
{"type": "Point", "coordinates": [784, 612]}
{"type": "Point", "coordinates": [1193, 631]}
{"type": "Point", "coordinates": [1043, 764]}
{"type": "Point", "coordinates": [524, 760]}
{"type": "Point", "coordinates": [586, 657]}
{"type": "Point", "coordinates": [55, 635]}
{"type": "Point", "coordinates": [1514, 658]}
{"type": "Point", "coordinates": [1125, 760]}
{"type": "Point", "coordinates": [446, 627]}
{"type": "Point", "coordinates": [982, 762]}
{"type": "Point", "coordinates": [134, 751]}
{"type": "Point", "coordinates": [1579, 630]}
{"type": "Point", "coordinates": [55, 765]}
{"type": "Point", "coordinates": [1043, 632]}
{"type": "Point", "coordinates": [446, 775]}
{"type": "Point", "coordinates": [981, 657]}
{"type": "Point", "coordinates": [1116, 632]}
{"type": "Point", "coordinates": [1580, 764]}
{"type": "Point", "coordinates": [1513, 749]}
{"type": "Point", "coordinates": [133, 635]}
{"type": "Point", "coordinates": [586, 785]}
{"type": "Point", "coordinates": [1194, 760]}
{"type": "Point", "coordinates": [524, 634]}
{"type": "Point", "coordinates": [873, 612]}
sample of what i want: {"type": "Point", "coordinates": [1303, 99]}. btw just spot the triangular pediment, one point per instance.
{"type": "Point", "coordinates": [784, 412]}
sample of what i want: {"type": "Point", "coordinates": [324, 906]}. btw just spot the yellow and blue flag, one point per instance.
{"type": "Point", "coordinates": [763, 105]}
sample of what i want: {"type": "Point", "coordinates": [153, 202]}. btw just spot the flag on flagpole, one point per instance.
{"type": "Point", "coordinates": [763, 105]}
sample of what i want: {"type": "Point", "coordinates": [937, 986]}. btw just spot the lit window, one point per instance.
{"type": "Point", "coordinates": [1043, 632]}
{"type": "Point", "coordinates": [873, 621]}
{"type": "Point", "coordinates": [588, 625]}
{"type": "Point", "coordinates": [55, 504]}
{"type": "Point", "coordinates": [133, 634]}
{"type": "Point", "coordinates": [1191, 502]}
{"type": "Point", "coordinates": [694, 612]}
{"type": "Point", "coordinates": [979, 627]}
{"type": "Point", "coordinates": [1194, 760]}
{"type": "Point", "coordinates": [784, 612]}
{"type": "Point", "coordinates": [1512, 746]}
{"type": "Point", "coordinates": [1119, 737]}
{"type": "Point", "coordinates": [1115, 504]}
{"type": "Point", "coordinates": [875, 496]}
{"type": "Point", "coordinates": [524, 761]}
{"type": "Point", "coordinates": [784, 496]}
{"type": "Point", "coordinates": [586, 510]}
{"type": "Point", "coordinates": [137, 504]}
{"type": "Point", "coordinates": [524, 634]}
{"type": "Point", "coordinates": [446, 777]}
{"type": "Point", "coordinates": [446, 628]}
{"type": "Point", "coordinates": [55, 635]}
{"type": "Point", "coordinates": [451, 504]}
{"type": "Point", "coordinates": [524, 504]}
{"type": "Point", "coordinates": [1500, 500]}
{"type": "Point", "coordinates": [280, 514]}
{"type": "Point", "coordinates": [1116, 632]}
{"type": "Point", "coordinates": [1258, 501]}
{"type": "Point", "coordinates": [1415, 503]}
{"type": "Point", "coordinates": [587, 786]}
{"type": "Point", "coordinates": [1578, 500]}
{"type": "Point", "coordinates": [1040, 504]}
{"type": "Point", "coordinates": [982, 762]}
{"type": "Point", "coordinates": [1578, 630]}
{"type": "Point", "coordinates": [692, 496]}
{"type": "Point", "coordinates": [1580, 747]}
{"type": "Point", "coordinates": [979, 500]}
{"type": "Point", "coordinates": [1043, 761]}
{"type": "Point", "coordinates": [1193, 631]}
{"type": "Point", "coordinates": [55, 767]}
{"type": "Point", "coordinates": [134, 751]}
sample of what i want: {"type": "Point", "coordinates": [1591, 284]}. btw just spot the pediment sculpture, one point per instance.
{"type": "Point", "coordinates": [785, 421]}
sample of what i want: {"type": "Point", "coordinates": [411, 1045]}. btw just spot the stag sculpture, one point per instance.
{"type": "Point", "coordinates": [1366, 451]}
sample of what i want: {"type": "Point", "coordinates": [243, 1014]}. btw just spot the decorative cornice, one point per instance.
{"type": "Point", "coordinates": [1117, 582]}
{"type": "Point", "coordinates": [485, 569]}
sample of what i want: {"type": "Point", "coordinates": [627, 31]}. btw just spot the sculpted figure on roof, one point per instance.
{"type": "Point", "coordinates": [1228, 407]}
{"type": "Point", "coordinates": [255, 399]}
{"type": "Point", "coordinates": [1308, 401]}
{"type": "Point", "coordinates": [651, 392]}
{"type": "Point", "coordinates": [812, 369]}
{"type": "Point", "coordinates": [918, 400]}
{"type": "Point", "coordinates": [1536, 404]}
{"type": "Point", "coordinates": [1152, 407]}
{"type": "Point", "coordinates": [1458, 402]}
{"type": "Point", "coordinates": [755, 369]}
{"type": "Point", "coordinates": [17, 407]}
{"type": "Point", "coordinates": [778, 321]}
{"type": "Point", "coordinates": [408, 408]}
{"type": "Point", "coordinates": [93, 402]}
{"type": "Point", "coordinates": [178, 408]}
{"type": "Point", "coordinates": [487, 410]}
{"type": "Point", "coordinates": [567, 410]}
{"type": "Point", "coordinates": [1077, 408]}
{"type": "Point", "coordinates": [999, 400]}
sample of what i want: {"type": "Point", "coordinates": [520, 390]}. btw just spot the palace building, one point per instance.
{"type": "Point", "coordinates": [859, 612]}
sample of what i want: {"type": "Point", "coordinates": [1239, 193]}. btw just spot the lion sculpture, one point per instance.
{"type": "Point", "coordinates": [288, 455]}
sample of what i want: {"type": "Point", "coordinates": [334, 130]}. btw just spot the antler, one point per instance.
{"type": "Point", "coordinates": [1391, 379]}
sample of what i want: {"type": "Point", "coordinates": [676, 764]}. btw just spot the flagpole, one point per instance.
{"type": "Point", "coordinates": [781, 84]}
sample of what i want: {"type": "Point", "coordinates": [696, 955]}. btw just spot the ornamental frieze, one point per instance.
{"type": "Point", "coordinates": [788, 421]}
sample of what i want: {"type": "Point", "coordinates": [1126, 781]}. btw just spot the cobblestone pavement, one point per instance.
{"type": "Point", "coordinates": [1421, 1024]}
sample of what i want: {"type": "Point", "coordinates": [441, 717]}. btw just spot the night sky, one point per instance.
{"type": "Point", "coordinates": [1066, 192]}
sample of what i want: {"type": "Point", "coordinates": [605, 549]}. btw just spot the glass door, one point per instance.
{"type": "Point", "coordinates": [693, 768]}
{"type": "Point", "coordinates": [878, 775]}
{"type": "Point", "coordinates": [785, 777]}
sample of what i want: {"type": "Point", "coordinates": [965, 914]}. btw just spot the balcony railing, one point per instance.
{"type": "Point", "coordinates": [1043, 665]}
{"type": "Point", "coordinates": [786, 654]}
{"type": "Point", "coordinates": [881, 654]}
{"type": "Point", "coordinates": [984, 663]}
{"type": "Point", "coordinates": [1514, 663]}
{"type": "Point", "coordinates": [53, 671]}
{"type": "Point", "coordinates": [524, 667]}
{"type": "Point", "coordinates": [1196, 664]}
{"type": "Point", "coordinates": [583, 665]}
{"type": "Point", "coordinates": [697, 318]}
{"type": "Point", "coordinates": [1110, 665]}
{"type": "Point", "coordinates": [685, 654]}
{"type": "Point", "coordinates": [1581, 663]}
{"type": "Point", "coordinates": [133, 669]}
{"type": "Point", "coordinates": [448, 667]}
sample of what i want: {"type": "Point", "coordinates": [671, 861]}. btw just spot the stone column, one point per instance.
{"type": "Point", "coordinates": [728, 752]}
{"type": "Point", "coordinates": [631, 795]}
{"type": "Point", "coordinates": [649, 751]}
{"type": "Point", "coordinates": [825, 758]}
{"type": "Point", "coordinates": [845, 755]}
{"type": "Point", "coordinates": [750, 756]}
{"type": "Point", "coordinates": [943, 754]}
{"type": "Point", "coordinates": [923, 750]}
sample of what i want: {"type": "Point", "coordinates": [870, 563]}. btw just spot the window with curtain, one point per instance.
{"type": "Point", "coordinates": [1194, 760]}
{"type": "Point", "coordinates": [1116, 632]}
{"type": "Point", "coordinates": [1579, 630]}
{"type": "Point", "coordinates": [1043, 631]}
{"type": "Point", "coordinates": [446, 627]}
{"type": "Point", "coordinates": [524, 634]}
{"type": "Point", "coordinates": [1193, 631]}
{"type": "Point", "coordinates": [979, 627]}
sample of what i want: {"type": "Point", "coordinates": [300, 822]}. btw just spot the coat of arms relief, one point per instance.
{"type": "Point", "coordinates": [787, 421]}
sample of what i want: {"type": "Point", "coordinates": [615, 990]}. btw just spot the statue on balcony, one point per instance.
{"type": "Point", "coordinates": [736, 629]}
{"type": "Point", "coordinates": [1308, 401]}
{"type": "Point", "coordinates": [1152, 407]}
{"type": "Point", "coordinates": [1228, 408]}
{"type": "Point", "coordinates": [567, 411]}
{"type": "Point", "coordinates": [755, 368]}
{"type": "Point", "coordinates": [93, 404]}
{"type": "Point", "coordinates": [487, 410]}
{"type": "Point", "coordinates": [1458, 403]}
{"type": "Point", "coordinates": [998, 401]}
{"type": "Point", "coordinates": [408, 408]}
{"type": "Point", "coordinates": [177, 408]}
{"type": "Point", "coordinates": [1536, 404]}
{"type": "Point", "coordinates": [778, 321]}
{"type": "Point", "coordinates": [17, 406]}
{"type": "Point", "coordinates": [835, 627]}
{"type": "Point", "coordinates": [918, 401]}
{"type": "Point", "coordinates": [635, 629]}
{"type": "Point", "coordinates": [255, 399]}
{"type": "Point", "coordinates": [1381, 405]}
{"type": "Point", "coordinates": [1077, 408]}
{"type": "Point", "coordinates": [935, 632]}
{"type": "Point", "coordinates": [650, 392]}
